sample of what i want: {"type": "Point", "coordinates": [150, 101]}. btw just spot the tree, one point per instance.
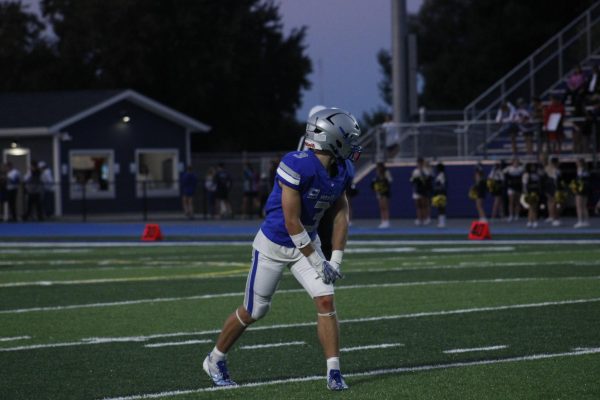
{"type": "Point", "coordinates": [22, 48]}
{"type": "Point", "coordinates": [466, 45]}
{"type": "Point", "coordinates": [226, 63]}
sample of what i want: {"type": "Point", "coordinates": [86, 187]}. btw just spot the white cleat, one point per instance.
{"type": "Point", "coordinates": [217, 371]}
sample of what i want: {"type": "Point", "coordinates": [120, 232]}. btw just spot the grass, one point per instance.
{"type": "Point", "coordinates": [81, 319]}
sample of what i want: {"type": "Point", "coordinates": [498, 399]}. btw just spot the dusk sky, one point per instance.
{"type": "Point", "coordinates": [343, 39]}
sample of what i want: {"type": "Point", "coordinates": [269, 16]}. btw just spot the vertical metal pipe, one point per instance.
{"type": "Point", "coordinates": [399, 64]}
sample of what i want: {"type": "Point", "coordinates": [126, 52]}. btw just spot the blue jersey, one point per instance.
{"type": "Point", "coordinates": [303, 171]}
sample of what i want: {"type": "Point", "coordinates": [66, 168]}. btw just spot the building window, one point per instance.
{"type": "Point", "coordinates": [92, 174]}
{"type": "Point", "coordinates": [157, 172]}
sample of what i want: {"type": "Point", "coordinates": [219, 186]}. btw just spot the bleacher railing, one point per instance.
{"type": "Point", "coordinates": [449, 140]}
{"type": "Point", "coordinates": [539, 73]}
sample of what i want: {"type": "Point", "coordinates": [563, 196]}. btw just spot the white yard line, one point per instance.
{"type": "Point", "coordinates": [372, 347]}
{"type": "Point", "coordinates": [287, 291]}
{"type": "Point", "coordinates": [54, 245]}
{"type": "Point", "coordinates": [127, 279]}
{"type": "Point", "coordinates": [184, 343]}
{"type": "Point", "coordinates": [389, 371]}
{"type": "Point", "coordinates": [11, 339]}
{"type": "Point", "coordinates": [474, 349]}
{"type": "Point", "coordinates": [101, 340]}
{"type": "Point", "coordinates": [369, 250]}
{"type": "Point", "coordinates": [268, 345]}
{"type": "Point", "coordinates": [471, 249]}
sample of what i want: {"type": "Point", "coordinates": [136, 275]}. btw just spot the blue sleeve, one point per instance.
{"type": "Point", "coordinates": [293, 170]}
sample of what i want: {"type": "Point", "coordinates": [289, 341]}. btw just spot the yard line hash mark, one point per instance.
{"type": "Point", "coordinates": [10, 339]}
{"type": "Point", "coordinates": [102, 340]}
{"type": "Point", "coordinates": [389, 371]}
{"type": "Point", "coordinates": [488, 348]}
{"type": "Point", "coordinates": [371, 347]}
{"type": "Point", "coordinates": [269, 345]}
{"type": "Point", "coordinates": [184, 343]}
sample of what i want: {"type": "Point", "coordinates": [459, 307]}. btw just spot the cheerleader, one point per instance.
{"type": "Point", "coordinates": [381, 185]}
{"type": "Point", "coordinates": [477, 193]}
{"type": "Point", "coordinates": [553, 188]}
{"type": "Point", "coordinates": [428, 191]}
{"type": "Point", "coordinates": [532, 188]}
{"type": "Point", "coordinates": [513, 175]}
{"type": "Point", "coordinates": [495, 185]}
{"type": "Point", "coordinates": [418, 181]}
{"type": "Point", "coordinates": [581, 189]}
{"type": "Point", "coordinates": [440, 190]}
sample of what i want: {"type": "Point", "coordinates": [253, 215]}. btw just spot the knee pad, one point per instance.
{"type": "Point", "coordinates": [261, 306]}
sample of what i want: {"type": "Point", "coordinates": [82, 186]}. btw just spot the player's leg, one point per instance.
{"type": "Point", "coordinates": [262, 282]}
{"type": "Point", "coordinates": [327, 322]}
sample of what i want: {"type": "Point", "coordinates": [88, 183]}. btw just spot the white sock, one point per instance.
{"type": "Point", "coordinates": [333, 363]}
{"type": "Point", "coordinates": [217, 355]}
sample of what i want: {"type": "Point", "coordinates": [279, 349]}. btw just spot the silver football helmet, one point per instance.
{"type": "Point", "coordinates": [334, 130]}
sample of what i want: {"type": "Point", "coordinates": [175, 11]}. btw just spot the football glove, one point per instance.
{"type": "Point", "coordinates": [324, 269]}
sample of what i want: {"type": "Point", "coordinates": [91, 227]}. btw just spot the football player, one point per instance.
{"type": "Point", "coordinates": [307, 184]}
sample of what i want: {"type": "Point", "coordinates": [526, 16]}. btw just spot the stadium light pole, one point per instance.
{"type": "Point", "coordinates": [399, 61]}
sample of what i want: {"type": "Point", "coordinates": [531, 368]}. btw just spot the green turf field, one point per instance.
{"type": "Point", "coordinates": [438, 321]}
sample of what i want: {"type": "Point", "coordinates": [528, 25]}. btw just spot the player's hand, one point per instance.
{"type": "Point", "coordinates": [338, 267]}
{"type": "Point", "coordinates": [329, 274]}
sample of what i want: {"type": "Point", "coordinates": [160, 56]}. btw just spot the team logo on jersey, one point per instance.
{"type": "Point", "coordinates": [301, 155]}
{"type": "Point", "coordinates": [313, 193]}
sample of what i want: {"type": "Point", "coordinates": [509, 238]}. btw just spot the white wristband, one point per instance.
{"type": "Point", "coordinates": [336, 256]}
{"type": "Point", "coordinates": [301, 239]}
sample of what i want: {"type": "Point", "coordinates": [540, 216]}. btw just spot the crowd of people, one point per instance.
{"type": "Point", "coordinates": [38, 193]}
{"type": "Point", "coordinates": [542, 123]}
{"type": "Point", "coordinates": [533, 189]}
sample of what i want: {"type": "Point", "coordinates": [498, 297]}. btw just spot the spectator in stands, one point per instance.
{"type": "Point", "coordinates": [210, 190]}
{"type": "Point", "coordinates": [525, 126]}
{"type": "Point", "coordinates": [581, 188]}
{"type": "Point", "coordinates": [582, 127]}
{"type": "Point", "coordinates": [593, 81]}
{"type": "Point", "coordinates": [189, 184]}
{"type": "Point", "coordinates": [513, 175]}
{"type": "Point", "coordinates": [34, 189]}
{"type": "Point", "coordinates": [506, 116]}
{"type": "Point", "coordinates": [532, 189]}
{"type": "Point", "coordinates": [575, 85]}
{"type": "Point", "coordinates": [250, 201]}
{"type": "Point", "coordinates": [553, 188]}
{"type": "Point", "coordinates": [418, 181]}
{"type": "Point", "coordinates": [13, 181]}
{"type": "Point", "coordinates": [440, 194]}
{"type": "Point", "coordinates": [495, 185]}
{"type": "Point", "coordinates": [382, 185]}
{"type": "Point", "coordinates": [48, 182]}
{"type": "Point", "coordinates": [554, 114]}
{"type": "Point", "coordinates": [224, 183]}
{"type": "Point", "coordinates": [537, 114]}
{"type": "Point", "coordinates": [391, 131]}
{"type": "Point", "coordinates": [477, 192]}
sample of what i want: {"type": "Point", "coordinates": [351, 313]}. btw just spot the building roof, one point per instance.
{"type": "Point", "coordinates": [48, 112]}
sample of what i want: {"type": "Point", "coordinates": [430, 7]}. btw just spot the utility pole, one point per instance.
{"type": "Point", "coordinates": [399, 61]}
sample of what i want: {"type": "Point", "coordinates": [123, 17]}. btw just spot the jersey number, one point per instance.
{"type": "Point", "coordinates": [320, 207]}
